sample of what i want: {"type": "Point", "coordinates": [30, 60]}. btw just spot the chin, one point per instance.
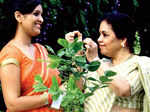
{"type": "Point", "coordinates": [36, 33]}
{"type": "Point", "coordinates": [104, 53]}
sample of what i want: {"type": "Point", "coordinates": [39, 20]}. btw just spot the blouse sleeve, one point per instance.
{"type": "Point", "coordinates": [10, 55]}
{"type": "Point", "coordinates": [144, 68]}
{"type": "Point", "coordinates": [134, 81]}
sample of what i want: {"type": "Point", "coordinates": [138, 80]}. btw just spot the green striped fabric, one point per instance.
{"type": "Point", "coordinates": [144, 68]}
{"type": "Point", "coordinates": [104, 98]}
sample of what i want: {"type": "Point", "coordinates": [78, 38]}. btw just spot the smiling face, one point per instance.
{"type": "Point", "coordinates": [109, 44]}
{"type": "Point", "coordinates": [32, 22]}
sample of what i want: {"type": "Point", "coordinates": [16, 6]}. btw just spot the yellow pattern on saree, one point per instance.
{"type": "Point", "coordinates": [9, 61]}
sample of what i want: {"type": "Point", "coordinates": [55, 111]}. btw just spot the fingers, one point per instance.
{"type": "Point", "coordinates": [79, 35]}
{"type": "Point", "coordinates": [91, 49]}
{"type": "Point", "coordinates": [70, 36]}
{"type": "Point", "coordinates": [89, 43]}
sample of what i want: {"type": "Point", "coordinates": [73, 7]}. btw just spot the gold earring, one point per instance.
{"type": "Point", "coordinates": [122, 45]}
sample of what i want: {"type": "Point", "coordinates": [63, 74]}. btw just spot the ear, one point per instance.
{"type": "Point", "coordinates": [124, 42]}
{"type": "Point", "coordinates": [19, 16]}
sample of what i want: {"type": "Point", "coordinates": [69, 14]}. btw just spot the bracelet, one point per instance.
{"type": "Point", "coordinates": [95, 59]}
{"type": "Point", "coordinates": [49, 99]}
{"type": "Point", "coordinates": [80, 53]}
{"type": "Point", "coordinates": [45, 96]}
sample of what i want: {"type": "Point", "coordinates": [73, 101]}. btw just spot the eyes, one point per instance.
{"type": "Point", "coordinates": [37, 14]}
{"type": "Point", "coordinates": [104, 34]}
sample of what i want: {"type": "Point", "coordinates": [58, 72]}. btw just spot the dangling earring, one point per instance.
{"type": "Point", "coordinates": [122, 44]}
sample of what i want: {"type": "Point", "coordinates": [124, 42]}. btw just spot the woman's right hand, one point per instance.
{"type": "Point", "coordinates": [70, 36]}
{"type": "Point", "coordinates": [91, 49]}
{"type": "Point", "coordinates": [91, 46]}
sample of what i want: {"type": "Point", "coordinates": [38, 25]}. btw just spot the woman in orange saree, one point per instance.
{"type": "Point", "coordinates": [19, 60]}
{"type": "Point", "coordinates": [29, 69]}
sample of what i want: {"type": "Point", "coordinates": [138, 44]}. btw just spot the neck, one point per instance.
{"type": "Point", "coordinates": [121, 57]}
{"type": "Point", "coordinates": [22, 38]}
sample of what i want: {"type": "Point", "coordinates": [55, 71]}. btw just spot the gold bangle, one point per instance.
{"type": "Point", "coordinates": [44, 96]}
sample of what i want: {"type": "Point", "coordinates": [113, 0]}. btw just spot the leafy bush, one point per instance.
{"type": "Point", "coordinates": [72, 68]}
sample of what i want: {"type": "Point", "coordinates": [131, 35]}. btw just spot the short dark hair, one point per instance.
{"type": "Point", "coordinates": [123, 26]}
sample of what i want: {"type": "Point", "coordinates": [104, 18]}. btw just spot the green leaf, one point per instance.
{"type": "Point", "coordinates": [54, 61]}
{"type": "Point", "coordinates": [53, 65]}
{"type": "Point", "coordinates": [71, 83]}
{"type": "Point", "coordinates": [76, 19]}
{"type": "Point", "coordinates": [135, 3]}
{"type": "Point", "coordinates": [91, 8]}
{"type": "Point", "coordinates": [39, 86]}
{"type": "Point", "coordinates": [93, 66]}
{"type": "Point", "coordinates": [76, 46]}
{"type": "Point", "coordinates": [45, 5]}
{"type": "Point", "coordinates": [104, 86]}
{"type": "Point", "coordinates": [1, 1]}
{"type": "Point", "coordinates": [77, 75]}
{"type": "Point", "coordinates": [61, 52]}
{"type": "Point", "coordinates": [55, 97]}
{"type": "Point", "coordinates": [82, 17]}
{"type": "Point", "coordinates": [54, 57]}
{"type": "Point", "coordinates": [88, 94]}
{"type": "Point", "coordinates": [109, 73]}
{"type": "Point", "coordinates": [92, 79]}
{"type": "Point", "coordinates": [80, 61]}
{"type": "Point", "coordinates": [106, 1]}
{"type": "Point", "coordinates": [63, 42]}
{"type": "Point", "coordinates": [104, 79]}
{"type": "Point", "coordinates": [54, 89]}
{"type": "Point", "coordinates": [49, 48]}
{"type": "Point", "coordinates": [38, 79]}
{"type": "Point", "coordinates": [92, 89]}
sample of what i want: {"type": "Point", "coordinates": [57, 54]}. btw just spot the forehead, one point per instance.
{"type": "Point", "coordinates": [38, 8]}
{"type": "Point", "coordinates": [104, 26]}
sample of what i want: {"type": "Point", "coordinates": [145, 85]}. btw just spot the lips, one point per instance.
{"type": "Point", "coordinates": [38, 26]}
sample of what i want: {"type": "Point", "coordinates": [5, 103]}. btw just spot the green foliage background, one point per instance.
{"type": "Point", "coordinates": [62, 16]}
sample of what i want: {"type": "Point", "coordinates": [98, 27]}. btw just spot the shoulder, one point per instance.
{"type": "Point", "coordinates": [143, 59]}
{"type": "Point", "coordinates": [10, 53]}
{"type": "Point", "coordinates": [9, 50]}
{"type": "Point", "coordinates": [39, 46]}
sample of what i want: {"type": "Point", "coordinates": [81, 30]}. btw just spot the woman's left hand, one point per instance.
{"type": "Point", "coordinates": [91, 49]}
{"type": "Point", "coordinates": [120, 86]}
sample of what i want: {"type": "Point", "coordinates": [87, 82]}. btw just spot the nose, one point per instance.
{"type": "Point", "coordinates": [100, 38]}
{"type": "Point", "coordinates": [41, 19]}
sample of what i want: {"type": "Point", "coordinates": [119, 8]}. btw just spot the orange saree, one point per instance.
{"type": "Point", "coordinates": [29, 68]}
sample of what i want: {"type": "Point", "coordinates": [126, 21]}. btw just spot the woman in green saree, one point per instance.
{"type": "Point", "coordinates": [126, 91]}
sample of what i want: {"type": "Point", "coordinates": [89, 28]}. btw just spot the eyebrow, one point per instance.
{"type": "Point", "coordinates": [104, 32]}
{"type": "Point", "coordinates": [38, 11]}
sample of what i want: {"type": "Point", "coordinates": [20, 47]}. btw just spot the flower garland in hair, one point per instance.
{"type": "Point", "coordinates": [137, 45]}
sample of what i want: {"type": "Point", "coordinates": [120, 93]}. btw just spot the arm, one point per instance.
{"type": "Point", "coordinates": [10, 81]}
{"type": "Point", "coordinates": [91, 46]}
{"type": "Point", "coordinates": [91, 50]}
{"type": "Point", "coordinates": [126, 86]}
{"type": "Point", "coordinates": [120, 86]}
